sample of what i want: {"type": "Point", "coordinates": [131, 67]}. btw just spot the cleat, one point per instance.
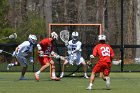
{"type": "Point", "coordinates": [86, 76]}
{"type": "Point", "coordinates": [8, 66]}
{"type": "Point", "coordinates": [36, 77]}
{"type": "Point", "coordinates": [108, 83]}
{"type": "Point", "coordinates": [62, 75]}
{"type": "Point", "coordinates": [22, 78]}
{"type": "Point", "coordinates": [89, 88]}
{"type": "Point", "coordinates": [55, 78]}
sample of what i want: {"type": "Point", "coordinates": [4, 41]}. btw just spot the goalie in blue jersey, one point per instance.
{"type": "Point", "coordinates": [74, 54]}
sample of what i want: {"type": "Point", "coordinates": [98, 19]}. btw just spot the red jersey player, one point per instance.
{"type": "Point", "coordinates": [105, 54]}
{"type": "Point", "coordinates": [45, 51]}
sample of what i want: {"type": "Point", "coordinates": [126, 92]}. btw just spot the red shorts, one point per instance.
{"type": "Point", "coordinates": [44, 60]}
{"type": "Point", "coordinates": [102, 67]}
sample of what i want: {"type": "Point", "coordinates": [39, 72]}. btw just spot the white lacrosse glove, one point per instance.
{"type": "Point", "coordinates": [57, 57]}
{"type": "Point", "coordinates": [31, 60]}
{"type": "Point", "coordinates": [14, 54]}
{"type": "Point", "coordinates": [41, 53]}
{"type": "Point", "coordinates": [91, 56]}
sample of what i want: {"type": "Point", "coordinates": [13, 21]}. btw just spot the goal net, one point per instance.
{"type": "Point", "coordinates": [88, 34]}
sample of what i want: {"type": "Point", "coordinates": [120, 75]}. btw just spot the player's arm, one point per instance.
{"type": "Point", "coordinates": [15, 52]}
{"type": "Point", "coordinates": [55, 55]}
{"type": "Point", "coordinates": [94, 52]}
{"type": "Point", "coordinates": [111, 53]}
{"type": "Point", "coordinates": [40, 52]}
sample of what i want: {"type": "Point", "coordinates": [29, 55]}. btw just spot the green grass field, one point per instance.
{"type": "Point", "coordinates": [120, 83]}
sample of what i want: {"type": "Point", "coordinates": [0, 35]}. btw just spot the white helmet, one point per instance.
{"type": "Point", "coordinates": [54, 35]}
{"type": "Point", "coordinates": [32, 39]}
{"type": "Point", "coordinates": [102, 37]}
{"type": "Point", "coordinates": [75, 35]}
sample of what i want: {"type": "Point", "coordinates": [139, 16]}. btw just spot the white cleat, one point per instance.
{"type": "Point", "coordinates": [8, 66]}
{"type": "Point", "coordinates": [108, 83]}
{"type": "Point", "coordinates": [62, 75]}
{"type": "Point", "coordinates": [89, 88]}
{"type": "Point", "coordinates": [86, 76]}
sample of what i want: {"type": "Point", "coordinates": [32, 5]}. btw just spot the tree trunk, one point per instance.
{"type": "Point", "coordinates": [138, 28]}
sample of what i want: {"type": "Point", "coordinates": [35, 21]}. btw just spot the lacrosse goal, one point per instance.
{"type": "Point", "coordinates": [87, 35]}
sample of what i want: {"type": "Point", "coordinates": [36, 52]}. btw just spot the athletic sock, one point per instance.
{"type": "Point", "coordinates": [38, 72]}
{"type": "Point", "coordinates": [90, 84]}
{"type": "Point", "coordinates": [85, 74]}
{"type": "Point", "coordinates": [53, 74]}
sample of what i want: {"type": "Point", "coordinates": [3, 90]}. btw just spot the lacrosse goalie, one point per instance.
{"type": "Point", "coordinates": [22, 52]}
{"type": "Point", "coordinates": [45, 54]}
{"type": "Point", "coordinates": [74, 54]}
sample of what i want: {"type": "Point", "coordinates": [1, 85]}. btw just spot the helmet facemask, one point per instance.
{"type": "Point", "coordinates": [75, 36]}
{"type": "Point", "coordinates": [102, 38]}
{"type": "Point", "coordinates": [32, 39]}
{"type": "Point", "coordinates": [54, 36]}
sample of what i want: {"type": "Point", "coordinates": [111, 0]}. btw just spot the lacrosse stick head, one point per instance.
{"type": "Point", "coordinates": [64, 36]}
{"type": "Point", "coordinates": [13, 36]}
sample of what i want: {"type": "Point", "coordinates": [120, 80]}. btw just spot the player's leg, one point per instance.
{"type": "Point", "coordinates": [92, 78]}
{"type": "Point", "coordinates": [106, 73]}
{"type": "Point", "coordinates": [107, 79]}
{"type": "Point", "coordinates": [44, 64]}
{"type": "Point", "coordinates": [101, 75]}
{"type": "Point", "coordinates": [23, 62]}
{"type": "Point", "coordinates": [53, 76]}
{"type": "Point", "coordinates": [43, 67]}
{"type": "Point", "coordinates": [24, 69]}
{"type": "Point", "coordinates": [15, 63]}
{"type": "Point", "coordinates": [82, 61]}
{"type": "Point", "coordinates": [63, 68]}
{"type": "Point", "coordinates": [96, 69]}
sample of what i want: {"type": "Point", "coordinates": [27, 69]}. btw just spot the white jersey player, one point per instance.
{"type": "Point", "coordinates": [22, 51]}
{"type": "Point", "coordinates": [74, 54]}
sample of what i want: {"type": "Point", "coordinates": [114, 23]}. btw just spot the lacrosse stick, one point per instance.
{"type": "Point", "coordinates": [61, 57]}
{"type": "Point", "coordinates": [12, 36]}
{"type": "Point", "coordinates": [64, 36]}
{"type": "Point", "coordinates": [2, 51]}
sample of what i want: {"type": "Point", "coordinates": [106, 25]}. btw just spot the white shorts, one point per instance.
{"type": "Point", "coordinates": [22, 60]}
{"type": "Point", "coordinates": [74, 58]}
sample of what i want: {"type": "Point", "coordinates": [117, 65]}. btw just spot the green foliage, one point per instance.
{"type": "Point", "coordinates": [5, 33]}
{"type": "Point", "coordinates": [32, 24]}
{"type": "Point", "coordinates": [5, 29]}
{"type": "Point", "coordinates": [3, 11]}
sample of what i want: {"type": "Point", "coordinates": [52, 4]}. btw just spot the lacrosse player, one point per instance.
{"type": "Point", "coordinates": [45, 51]}
{"type": "Point", "coordinates": [74, 54]}
{"type": "Point", "coordinates": [105, 54]}
{"type": "Point", "coordinates": [23, 51]}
